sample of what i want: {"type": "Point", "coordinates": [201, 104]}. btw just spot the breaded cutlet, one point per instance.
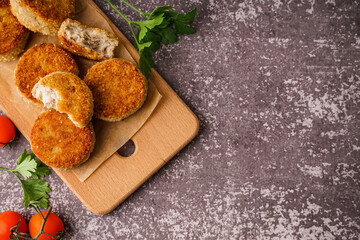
{"type": "Point", "coordinates": [119, 89]}
{"type": "Point", "coordinates": [39, 61]}
{"type": "Point", "coordinates": [58, 143]}
{"type": "Point", "coordinates": [88, 42]}
{"type": "Point", "coordinates": [13, 35]}
{"type": "Point", "coordinates": [66, 93]}
{"type": "Point", "coordinates": [44, 16]}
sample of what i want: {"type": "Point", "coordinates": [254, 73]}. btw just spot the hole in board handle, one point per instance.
{"type": "Point", "coordinates": [127, 149]}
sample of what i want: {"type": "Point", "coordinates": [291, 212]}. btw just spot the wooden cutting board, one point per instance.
{"type": "Point", "coordinates": [170, 127]}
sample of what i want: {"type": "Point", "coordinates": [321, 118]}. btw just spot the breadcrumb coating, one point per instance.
{"type": "Point", "coordinates": [44, 16]}
{"type": "Point", "coordinates": [39, 61]}
{"type": "Point", "coordinates": [58, 143]}
{"type": "Point", "coordinates": [74, 96]}
{"type": "Point", "coordinates": [55, 11]}
{"type": "Point", "coordinates": [13, 35]}
{"type": "Point", "coordinates": [119, 89]}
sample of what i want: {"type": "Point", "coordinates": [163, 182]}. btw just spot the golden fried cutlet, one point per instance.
{"type": "Point", "coordinates": [92, 43]}
{"type": "Point", "coordinates": [58, 143]}
{"type": "Point", "coordinates": [119, 89]}
{"type": "Point", "coordinates": [13, 35]}
{"type": "Point", "coordinates": [44, 16]}
{"type": "Point", "coordinates": [68, 94]}
{"type": "Point", "coordinates": [39, 61]}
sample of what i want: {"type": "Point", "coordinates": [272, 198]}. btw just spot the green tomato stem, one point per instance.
{"type": "Point", "coordinates": [43, 222]}
{"type": "Point", "coordinates": [17, 235]}
{"type": "Point", "coordinates": [37, 209]}
{"type": "Point", "coordinates": [49, 235]}
{"type": "Point", "coordinates": [8, 144]}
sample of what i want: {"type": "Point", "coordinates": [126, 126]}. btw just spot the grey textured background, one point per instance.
{"type": "Point", "coordinates": [276, 86]}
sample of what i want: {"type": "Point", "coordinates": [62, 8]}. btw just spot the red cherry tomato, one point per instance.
{"type": "Point", "coordinates": [52, 226]}
{"type": "Point", "coordinates": [8, 220]}
{"type": "Point", "coordinates": [7, 131]}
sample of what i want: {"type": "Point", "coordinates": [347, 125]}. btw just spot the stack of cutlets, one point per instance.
{"type": "Point", "coordinates": [46, 76]}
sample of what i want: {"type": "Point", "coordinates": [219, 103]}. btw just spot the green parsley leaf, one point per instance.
{"type": "Point", "coordinates": [171, 15]}
{"type": "Point", "coordinates": [27, 167]}
{"type": "Point", "coordinates": [187, 18]}
{"type": "Point", "coordinates": [182, 20]}
{"type": "Point", "coordinates": [165, 23]}
{"type": "Point", "coordinates": [35, 190]}
{"type": "Point", "coordinates": [41, 171]}
{"type": "Point", "coordinates": [25, 155]}
{"type": "Point", "coordinates": [142, 46]}
{"type": "Point", "coordinates": [142, 30]}
{"type": "Point", "coordinates": [148, 25]}
{"type": "Point", "coordinates": [168, 35]}
{"type": "Point", "coordinates": [159, 26]}
{"type": "Point", "coordinates": [154, 38]}
{"type": "Point", "coordinates": [160, 10]}
{"type": "Point", "coordinates": [151, 23]}
{"type": "Point", "coordinates": [146, 61]}
{"type": "Point", "coordinates": [182, 29]}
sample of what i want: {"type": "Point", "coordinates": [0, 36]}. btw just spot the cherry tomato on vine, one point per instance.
{"type": "Point", "coordinates": [7, 131]}
{"type": "Point", "coordinates": [52, 226]}
{"type": "Point", "coordinates": [8, 220]}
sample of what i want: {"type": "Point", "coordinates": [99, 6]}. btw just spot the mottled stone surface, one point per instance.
{"type": "Point", "coordinates": [276, 86]}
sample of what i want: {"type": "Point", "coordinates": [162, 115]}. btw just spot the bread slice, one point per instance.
{"type": "Point", "coordinates": [58, 143]}
{"type": "Point", "coordinates": [39, 61]}
{"type": "Point", "coordinates": [119, 89]}
{"type": "Point", "coordinates": [66, 93]}
{"type": "Point", "coordinates": [43, 16]}
{"type": "Point", "coordinates": [13, 35]}
{"type": "Point", "coordinates": [92, 43]}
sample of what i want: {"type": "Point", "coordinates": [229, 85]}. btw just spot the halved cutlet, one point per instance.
{"type": "Point", "coordinates": [92, 43]}
{"type": "Point", "coordinates": [58, 143]}
{"type": "Point", "coordinates": [66, 93]}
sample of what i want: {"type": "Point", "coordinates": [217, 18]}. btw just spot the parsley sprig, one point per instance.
{"type": "Point", "coordinates": [160, 26]}
{"type": "Point", "coordinates": [35, 189]}
{"type": "Point", "coordinates": [28, 171]}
